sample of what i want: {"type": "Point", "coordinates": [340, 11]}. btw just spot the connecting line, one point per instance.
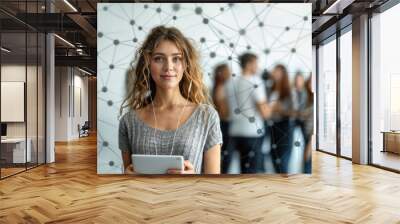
{"type": "Point", "coordinates": [116, 15]}
{"type": "Point", "coordinates": [112, 62]}
{"type": "Point", "coordinates": [124, 12]}
{"type": "Point", "coordinates": [244, 101]}
{"type": "Point", "coordinates": [108, 147]}
{"type": "Point", "coordinates": [297, 40]}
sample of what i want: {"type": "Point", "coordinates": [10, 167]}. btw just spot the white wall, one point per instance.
{"type": "Point", "coordinates": [33, 126]}
{"type": "Point", "coordinates": [16, 73]}
{"type": "Point", "coordinates": [79, 117]}
{"type": "Point", "coordinates": [69, 85]}
{"type": "Point", "coordinates": [61, 103]}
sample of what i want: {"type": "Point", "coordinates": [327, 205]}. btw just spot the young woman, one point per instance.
{"type": "Point", "coordinates": [168, 111]}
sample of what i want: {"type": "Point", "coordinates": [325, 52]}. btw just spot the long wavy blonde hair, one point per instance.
{"type": "Point", "coordinates": [138, 94]}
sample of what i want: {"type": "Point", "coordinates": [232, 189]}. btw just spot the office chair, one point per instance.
{"type": "Point", "coordinates": [84, 130]}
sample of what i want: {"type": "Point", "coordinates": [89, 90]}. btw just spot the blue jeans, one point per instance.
{"type": "Point", "coordinates": [226, 149]}
{"type": "Point", "coordinates": [281, 144]}
{"type": "Point", "coordinates": [306, 141]}
{"type": "Point", "coordinates": [307, 163]}
{"type": "Point", "coordinates": [251, 157]}
{"type": "Point", "coordinates": [302, 127]}
{"type": "Point", "coordinates": [307, 166]}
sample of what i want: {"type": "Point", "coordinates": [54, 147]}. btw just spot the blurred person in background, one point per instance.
{"type": "Point", "coordinates": [221, 74]}
{"type": "Point", "coordinates": [282, 126]}
{"type": "Point", "coordinates": [248, 108]}
{"type": "Point", "coordinates": [268, 82]}
{"type": "Point", "coordinates": [300, 102]}
{"type": "Point", "coordinates": [307, 116]}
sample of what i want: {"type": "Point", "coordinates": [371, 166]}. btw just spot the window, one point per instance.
{"type": "Point", "coordinates": [346, 94]}
{"type": "Point", "coordinates": [327, 97]}
{"type": "Point", "coordinates": [385, 88]}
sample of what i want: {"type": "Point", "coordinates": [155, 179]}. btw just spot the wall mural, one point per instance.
{"type": "Point", "coordinates": [276, 33]}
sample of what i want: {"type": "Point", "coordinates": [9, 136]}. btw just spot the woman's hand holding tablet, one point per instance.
{"type": "Point", "coordinates": [129, 170]}
{"type": "Point", "coordinates": [188, 169]}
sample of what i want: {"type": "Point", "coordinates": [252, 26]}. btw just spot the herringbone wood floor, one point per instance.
{"type": "Point", "coordinates": [70, 191]}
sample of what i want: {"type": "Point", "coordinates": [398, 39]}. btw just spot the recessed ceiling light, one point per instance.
{"type": "Point", "coordinates": [5, 50]}
{"type": "Point", "coordinates": [84, 71]}
{"type": "Point", "coordinates": [64, 40]}
{"type": "Point", "coordinates": [70, 5]}
{"type": "Point", "coordinates": [337, 7]}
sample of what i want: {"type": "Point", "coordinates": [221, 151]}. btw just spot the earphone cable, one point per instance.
{"type": "Point", "coordinates": [180, 116]}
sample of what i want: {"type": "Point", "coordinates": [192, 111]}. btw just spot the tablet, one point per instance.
{"type": "Point", "coordinates": [156, 164]}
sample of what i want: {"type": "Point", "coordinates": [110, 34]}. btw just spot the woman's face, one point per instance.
{"type": "Point", "coordinates": [253, 66]}
{"type": "Point", "coordinates": [277, 74]}
{"type": "Point", "coordinates": [226, 73]}
{"type": "Point", "coordinates": [299, 82]}
{"type": "Point", "coordinates": [166, 65]}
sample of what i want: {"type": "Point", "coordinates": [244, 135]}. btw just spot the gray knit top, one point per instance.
{"type": "Point", "coordinates": [200, 132]}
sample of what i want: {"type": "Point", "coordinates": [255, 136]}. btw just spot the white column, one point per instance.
{"type": "Point", "coordinates": [360, 90]}
{"type": "Point", "coordinates": [50, 93]}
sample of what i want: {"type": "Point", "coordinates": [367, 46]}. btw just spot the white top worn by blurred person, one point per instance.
{"type": "Point", "coordinates": [244, 94]}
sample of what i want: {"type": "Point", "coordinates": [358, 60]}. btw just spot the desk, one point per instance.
{"type": "Point", "coordinates": [13, 150]}
{"type": "Point", "coordinates": [391, 141]}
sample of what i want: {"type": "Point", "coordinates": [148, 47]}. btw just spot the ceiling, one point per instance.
{"type": "Point", "coordinates": [77, 24]}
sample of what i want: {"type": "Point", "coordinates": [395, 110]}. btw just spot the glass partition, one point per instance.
{"type": "Point", "coordinates": [327, 97]}
{"type": "Point", "coordinates": [13, 105]}
{"type": "Point", "coordinates": [31, 100]}
{"type": "Point", "coordinates": [346, 94]}
{"type": "Point", "coordinates": [22, 66]}
{"type": "Point", "coordinates": [385, 89]}
{"type": "Point", "coordinates": [41, 107]}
